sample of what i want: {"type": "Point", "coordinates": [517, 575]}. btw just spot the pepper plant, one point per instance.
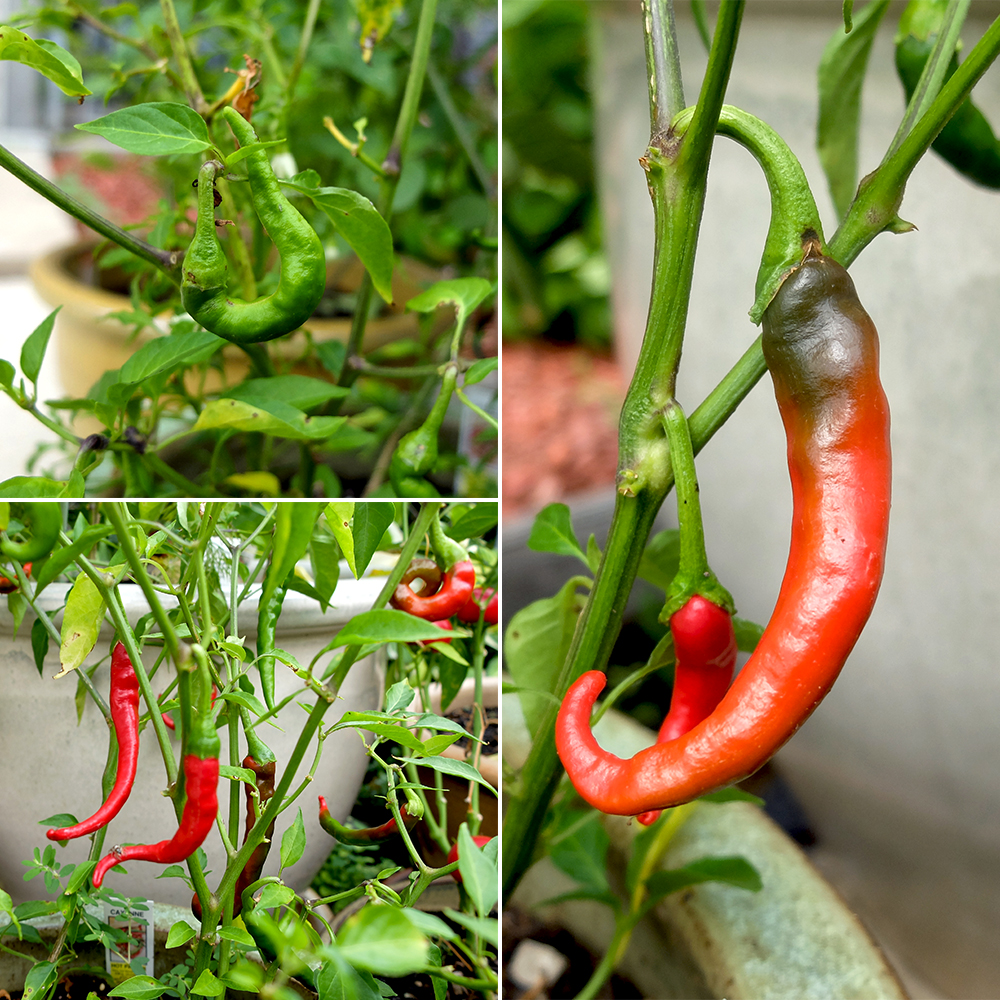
{"type": "Point", "coordinates": [224, 395]}
{"type": "Point", "coordinates": [201, 568]}
{"type": "Point", "coordinates": [821, 350]}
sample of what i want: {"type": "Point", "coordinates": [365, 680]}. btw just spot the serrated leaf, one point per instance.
{"type": "Point", "coordinates": [45, 56]}
{"type": "Point", "coordinates": [160, 128]}
{"type": "Point", "coordinates": [33, 350]}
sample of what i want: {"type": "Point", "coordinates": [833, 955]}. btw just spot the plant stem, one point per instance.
{"type": "Point", "coordinates": [392, 166]}
{"type": "Point", "coordinates": [663, 65]}
{"type": "Point", "coordinates": [678, 197]}
{"type": "Point", "coordinates": [179, 47]}
{"type": "Point", "coordinates": [300, 56]}
{"type": "Point", "coordinates": [167, 261]}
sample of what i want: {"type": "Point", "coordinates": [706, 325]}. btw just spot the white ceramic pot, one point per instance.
{"type": "Point", "coordinates": [54, 765]}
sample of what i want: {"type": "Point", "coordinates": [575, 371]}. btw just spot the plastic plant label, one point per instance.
{"type": "Point", "coordinates": [133, 957]}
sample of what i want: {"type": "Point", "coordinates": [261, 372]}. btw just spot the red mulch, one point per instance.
{"type": "Point", "coordinates": [560, 408]}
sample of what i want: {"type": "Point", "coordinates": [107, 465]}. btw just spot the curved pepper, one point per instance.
{"type": "Point", "coordinates": [822, 351]}
{"type": "Point", "coordinates": [45, 521]}
{"type": "Point", "coordinates": [456, 589]}
{"type": "Point", "coordinates": [482, 601]}
{"type": "Point", "coordinates": [201, 806]}
{"type": "Point", "coordinates": [124, 700]}
{"type": "Point", "coordinates": [367, 835]}
{"type": "Point", "coordinates": [206, 272]}
{"type": "Point", "coordinates": [426, 570]}
{"type": "Point", "coordinates": [967, 140]}
{"type": "Point", "coordinates": [417, 451]}
{"type": "Point", "coordinates": [704, 659]}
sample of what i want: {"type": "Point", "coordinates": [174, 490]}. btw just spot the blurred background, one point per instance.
{"type": "Point", "coordinates": [893, 785]}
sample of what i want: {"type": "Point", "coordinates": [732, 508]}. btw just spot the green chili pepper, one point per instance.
{"type": "Point", "coordinates": [205, 271]}
{"type": "Point", "coordinates": [45, 521]}
{"type": "Point", "coordinates": [268, 613]}
{"type": "Point", "coordinates": [967, 141]}
{"type": "Point", "coordinates": [417, 452]}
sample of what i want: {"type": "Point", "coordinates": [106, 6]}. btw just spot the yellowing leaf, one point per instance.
{"type": "Point", "coordinates": [81, 623]}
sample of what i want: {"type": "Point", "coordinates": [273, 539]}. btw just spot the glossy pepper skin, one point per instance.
{"type": "Point", "coordinates": [367, 835]}
{"type": "Point", "coordinates": [124, 702]}
{"type": "Point", "coordinates": [479, 840]}
{"type": "Point", "coordinates": [426, 570]}
{"type": "Point", "coordinates": [455, 591]}
{"type": "Point", "coordinates": [45, 522]}
{"type": "Point", "coordinates": [205, 270]}
{"type": "Point", "coordinates": [967, 140]}
{"type": "Point", "coordinates": [268, 613]}
{"type": "Point", "coordinates": [704, 659]}
{"type": "Point", "coordinates": [822, 350]}
{"type": "Point", "coordinates": [201, 779]}
{"type": "Point", "coordinates": [481, 600]}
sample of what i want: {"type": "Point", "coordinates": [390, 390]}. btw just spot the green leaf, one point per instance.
{"type": "Point", "coordinates": [463, 293]}
{"type": "Point", "coordinates": [385, 625]}
{"type": "Point", "coordinates": [339, 516]}
{"type": "Point", "coordinates": [274, 894]}
{"type": "Point", "coordinates": [42, 975]}
{"type": "Point", "coordinates": [398, 697]}
{"type": "Point", "coordinates": [51, 60]}
{"type": "Point", "coordinates": [553, 532]}
{"type": "Point", "coordinates": [139, 988]}
{"type": "Point", "coordinates": [583, 853]}
{"type": "Point", "coordinates": [358, 221]}
{"type": "Point", "coordinates": [244, 151]}
{"type": "Point", "coordinates": [428, 924]}
{"type": "Point", "coordinates": [536, 644]}
{"type": "Point", "coordinates": [39, 644]}
{"type": "Point", "coordinates": [474, 522]}
{"type": "Point", "coordinates": [274, 417]}
{"type": "Point", "coordinates": [661, 559]}
{"type": "Point", "coordinates": [734, 871]}
{"type": "Point", "coordinates": [61, 558]}
{"type": "Point", "coordinates": [748, 634]}
{"type": "Point", "coordinates": [293, 528]}
{"type": "Point", "coordinates": [81, 623]}
{"type": "Point", "coordinates": [207, 986]}
{"type": "Point", "coordinates": [456, 768]}
{"type": "Point", "coordinates": [6, 373]}
{"type": "Point", "coordinates": [30, 487]}
{"type": "Point", "coordinates": [300, 391]}
{"type": "Point", "coordinates": [381, 940]}
{"type": "Point", "coordinates": [293, 841]}
{"type": "Point", "coordinates": [160, 128]}
{"type": "Point", "coordinates": [371, 521]}
{"type": "Point", "coordinates": [841, 75]}
{"type": "Point", "coordinates": [324, 556]}
{"type": "Point", "coordinates": [337, 980]}
{"type": "Point", "coordinates": [479, 875]}
{"type": "Point", "coordinates": [488, 928]}
{"type": "Point", "coordinates": [33, 351]}
{"type": "Point", "coordinates": [480, 369]}
{"type": "Point", "coordinates": [164, 354]}
{"type": "Point", "coordinates": [237, 934]}
{"type": "Point", "coordinates": [180, 933]}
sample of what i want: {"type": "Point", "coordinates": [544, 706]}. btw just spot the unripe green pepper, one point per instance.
{"type": "Point", "coordinates": [967, 141]}
{"type": "Point", "coordinates": [205, 270]}
{"type": "Point", "coordinates": [417, 452]}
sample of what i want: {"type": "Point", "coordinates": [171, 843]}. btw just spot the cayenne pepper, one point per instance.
{"type": "Point", "coordinates": [124, 700]}
{"type": "Point", "coordinates": [367, 835]}
{"type": "Point", "coordinates": [822, 351]}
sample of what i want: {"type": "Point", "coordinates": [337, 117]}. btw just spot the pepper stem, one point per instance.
{"type": "Point", "coordinates": [694, 575]}
{"type": "Point", "coordinates": [448, 552]}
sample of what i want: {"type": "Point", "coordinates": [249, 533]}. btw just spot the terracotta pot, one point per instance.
{"type": "Point", "coordinates": [90, 343]}
{"type": "Point", "coordinates": [55, 763]}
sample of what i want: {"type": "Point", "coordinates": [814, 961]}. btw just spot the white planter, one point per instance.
{"type": "Point", "coordinates": [54, 765]}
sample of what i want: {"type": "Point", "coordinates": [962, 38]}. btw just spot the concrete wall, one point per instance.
{"type": "Point", "coordinates": [899, 768]}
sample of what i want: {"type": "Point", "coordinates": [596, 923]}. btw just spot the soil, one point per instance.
{"type": "Point", "coordinates": [463, 717]}
{"type": "Point", "coordinates": [560, 420]}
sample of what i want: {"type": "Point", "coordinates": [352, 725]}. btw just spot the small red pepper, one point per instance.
{"type": "Point", "coordinates": [445, 625]}
{"type": "Point", "coordinates": [479, 840]}
{"type": "Point", "coordinates": [704, 659]}
{"type": "Point", "coordinates": [456, 589]}
{"type": "Point", "coordinates": [169, 722]}
{"type": "Point", "coordinates": [469, 612]}
{"type": "Point", "coordinates": [124, 699]}
{"type": "Point", "coordinates": [8, 586]}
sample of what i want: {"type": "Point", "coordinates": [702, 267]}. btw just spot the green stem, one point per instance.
{"type": "Point", "coordinates": [167, 261]}
{"type": "Point", "coordinates": [877, 203]}
{"type": "Point", "coordinates": [678, 198]}
{"type": "Point", "coordinates": [663, 65]}
{"type": "Point", "coordinates": [179, 48]}
{"type": "Point", "coordinates": [300, 56]}
{"type": "Point", "coordinates": [393, 166]}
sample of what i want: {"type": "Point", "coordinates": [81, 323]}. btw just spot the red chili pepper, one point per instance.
{"type": "Point", "coordinates": [704, 659]}
{"type": "Point", "coordinates": [822, 351]}
{"type": "Point", "coordinates": [366, 835]}
{"type": "Point", "coordinates": [470, 611]}
{"type": "Point", "coordinates": [479, 840]}
{"type": "Point", "coordinates": [8, 586]}
{"type": "Point", "coordinates": [255, 863]}
{"type": "Point", "coordinates": [456, 588]}
{"type": "Point", "coordinates": [446, 625]}
{"type": "Point", "coordinates": [124, 699]}
{"type": "Point", "coordinates": [168, 720]}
